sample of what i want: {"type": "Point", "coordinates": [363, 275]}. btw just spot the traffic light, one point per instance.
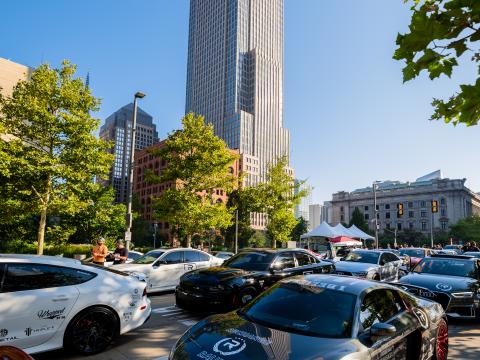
{"type": "Point", "coordinates": [399, 209]}
{"type": "Point", "coordinates": [434, 206]}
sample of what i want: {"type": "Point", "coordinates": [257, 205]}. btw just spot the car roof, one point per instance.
{"type": "Point", "coordinates": [270, 250]}
{"type": "Point", "coordinates": [452, 256]}
{"type": "Point", "coordinates": [44, 259]}
{"type": "Point", "coordinates": [413, 248]}
{"type": "Point", "coordinates": [346, 284]}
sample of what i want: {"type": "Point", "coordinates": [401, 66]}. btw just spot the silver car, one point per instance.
{"type": "Point", "coordinates": [370, 264]}
{"type": "Point", "coordinates": [163, 268]}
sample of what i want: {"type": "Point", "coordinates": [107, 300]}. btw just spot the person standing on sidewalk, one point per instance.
{"type": "Point", "coordinates": [100, 252]}
{"type": "Point", "coordinates": [120, 254]}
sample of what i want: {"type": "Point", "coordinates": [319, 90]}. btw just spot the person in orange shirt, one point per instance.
{"type": "Point", "coordinates": [100, 252]}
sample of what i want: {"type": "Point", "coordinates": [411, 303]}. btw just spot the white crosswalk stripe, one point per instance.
{"type": "Point", "coordinates": [176, 314]}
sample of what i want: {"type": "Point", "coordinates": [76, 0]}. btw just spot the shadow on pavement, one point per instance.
{"type": "Point", "coordinates": [464, 340]}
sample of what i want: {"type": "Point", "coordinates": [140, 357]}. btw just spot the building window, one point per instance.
{"type": "Point", "coordinates": [378, 215]}
{"type": "Point", "coordinates": [399, 226]}
{"type": "Point", "coordinates": [410, 204]}
{"type": "Point", "coordinates": [367, 216]}
{"type": "Point", "coordinates": [387, 206]}
{"type": "Point", "coordinates": [411, 214]}
{"type": "Point", "coordinates": [443, 212]}
{"type": "Point", "coordinates": [388, 226]}
{"type": "Point", "coordinates": [387, 215]}
{"type": "Point", "coordinates": [444, 225]}
{"type": "Point", "coordinates": [366, 208]}
{"type": "Point", "coordinates": [411, 225]}
{"type": "Point", "coordinates": [423, 204]}
{"type": "Point", "coordinates": [442, 201]}
{"type": "Point", "coordinates": [423, 214]}
{"type": "Point", "coordinates": [424, 225]}
{"type": "Point", "coordinates": [341, 208]}
{"type": "Point", "coordinates": [342, 218]}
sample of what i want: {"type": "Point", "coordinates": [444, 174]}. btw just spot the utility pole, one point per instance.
{"type": "Point", "coordinates": [128, 231]}
{"type": "Point", "coordinates": [155, 235]}
{"type": "Point", "coordinates": [236, 231]}
{"type": "Point", "coordinates": [431, 231]}
{"type": "Point", "coordinates": [376, 213]}
{"type": "Point", "coordinates": [395, 239]}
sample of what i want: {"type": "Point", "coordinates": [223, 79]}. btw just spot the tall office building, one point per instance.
{"type": "Point", "coordinates": [117, 128]}
{"type": "Point", "coordinates": [235, 77]}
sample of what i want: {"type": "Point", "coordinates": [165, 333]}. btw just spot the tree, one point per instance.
{"type": "Point", "coordinates": [358, 219]}
{"type": "Point", "coordinates": [467, 229]}
{"type": "Point", "coordinates": [258, 239]}
{"type": "Point", "coordinates": [278, 197]}
{"type": "Point", "coordinates": [441, 32]}
{"type": "Point", "coordinates": [198, 164]}
{"type": "Point", "coordinates": [300, 228]}
{"type": "Point", "coordinates": [54, 156]}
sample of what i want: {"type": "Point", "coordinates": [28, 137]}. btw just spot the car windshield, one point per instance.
{"type": "Point", "coordinates": [419, 253]}
{"type": "Point", "coordinates": [148, 258]}
{"type": "Point", "coordinates": [446, 266]}
{"type": "Point", "coordinates": [250, 261]}
{"type": "Point", "coordinates": [363, 257]}
{"type": "Point", "coordinates": [323, 313]}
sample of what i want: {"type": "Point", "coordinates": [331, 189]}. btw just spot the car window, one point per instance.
{"type": "Point", "coordinates": [284, 261]}
{"type": "Point", "coordinates": [304, 259]}
{"type": "Point", "coordinates": [21, 277]}
{"type": "Point", "coordinates": [202, 256]}
{"type": "Point", "coordinates": [250, 261]}
{"type": "Point", "coordinates": [389, 258]}
{"type": "Point", "coordinates": [2, 272]}
{"type": "Point", "coordinates": [379, 306]}
{"type": "Point", "coordinates": [446, 266]}
{"type": "Point", "coordinates": [195, 256]}
{"type": "Point", "coordinates": [175, 257]}
{"type": "Point", "coordinates": [148, 258]}
{"type": "Point", "coordinates": [323, 312]}
{"type": "Point", "coordinates": [363, 257]}
{"type": "Point", "coordinates": [133, 256]}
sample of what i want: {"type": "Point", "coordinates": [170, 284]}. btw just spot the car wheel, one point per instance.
{"type": "Point", "coordinates": [376, 277]}
{"type": "Point", "coordinates": [180, 303]}
{"type": "Point", "coordinates": [441, 341]}
{"type": "Point", "coordinates": [92, 330]}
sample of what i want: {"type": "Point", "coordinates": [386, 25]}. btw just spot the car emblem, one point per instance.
{"type": "Point", "coordinates": [443, 287]}
{"type": "Point", "coordinates": [229, 346]}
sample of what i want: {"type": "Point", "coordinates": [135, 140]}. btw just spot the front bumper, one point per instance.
{"type": "Point", "coordinates": [464, 308]}
{"type": "Point", "coordinates": [204, 302]}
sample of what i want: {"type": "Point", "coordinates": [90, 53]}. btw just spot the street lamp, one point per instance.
{"type": "Point", "coordinates": [128, 231]}
{"type": "Point", "coordinates": [375, 184]}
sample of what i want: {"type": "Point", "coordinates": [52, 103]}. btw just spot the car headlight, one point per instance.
{"type": "Point", "coordinates": [463, 295]}
{"type": "Point", "coordinates": [216, 288]}
{"type": "Point", "coordinates": [360, 274]}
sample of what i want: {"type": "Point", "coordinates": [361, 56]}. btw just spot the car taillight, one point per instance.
{"type": "Point", "coordinates": [144, 291]}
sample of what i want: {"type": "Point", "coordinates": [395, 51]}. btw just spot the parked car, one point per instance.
{"type": "Point", "coordinates": [51, 302]}
{"type": "Point", "coordinates": [475, 254]}
{"type": "Point", "coordinates": [322, 317]}
{"type": "Point", "coordinates": [242, 277]}
{"type": "Point", "coordinates": [164, 267]}
{"type": "Point", "coordinates": [415, 255]}
{"type": "Point", "coordinates": [456, 248]}
{"type": "Point", "coordinates": [223, 254]}
{"type": "Point", "coordinates": [451, 280]}
{"type": "Point", "coordinates": [371, 264]}
{"type": "Point", "coordinates": [132, 255]}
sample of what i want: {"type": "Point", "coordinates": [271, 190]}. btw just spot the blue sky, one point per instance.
{"type": "Point", "coordinates": [351, 119]}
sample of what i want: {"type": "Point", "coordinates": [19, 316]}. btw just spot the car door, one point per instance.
{"type": "Point", "coordinates": [305, 264]}
{"type": "Point", "coordinates": [282, 266]}
{"type": "Point", "coordinates": [166, 271]}
{"type": "Point", "coordinates": [192, 261]}
{"type": "Point", "coordinates": [35, 300]}
{"type": "Point", "coordinates": [385, 306]}
{"type": "Point", "coordinates": [388, 266]}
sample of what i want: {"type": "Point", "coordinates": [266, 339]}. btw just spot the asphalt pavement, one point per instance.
{"type": "Point", "coordinates": [154, 340]}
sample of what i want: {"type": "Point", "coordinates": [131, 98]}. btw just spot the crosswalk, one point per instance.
{"type": "Point", "coordinates": [176, 314]}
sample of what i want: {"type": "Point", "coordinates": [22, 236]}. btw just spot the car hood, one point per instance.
{"type": "Point", "coordinates": [352, 266]}
{"type": "Point", "coordinates": [213, 275]}
{"type": "Point", "coordinates": [444, 283]}
{"type": "Point", "coordinates": [131, 267]}
{"type": "Point", "coordinates": [229, 335]}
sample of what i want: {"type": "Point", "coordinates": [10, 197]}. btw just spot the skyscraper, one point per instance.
{"type": "Point", "coordinates": [235, 77]}
{"type": "Point", "coordinates": [117, 128]}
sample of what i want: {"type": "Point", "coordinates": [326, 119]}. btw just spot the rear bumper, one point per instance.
{"type": "Point", "coordinates": [134, 318]}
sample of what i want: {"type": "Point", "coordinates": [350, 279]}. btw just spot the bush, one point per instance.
{"type": "Point", "coordinates": [67, 250]}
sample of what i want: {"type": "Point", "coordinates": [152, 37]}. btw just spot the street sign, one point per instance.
{"type": "Point", "coordinates": [128, 236]}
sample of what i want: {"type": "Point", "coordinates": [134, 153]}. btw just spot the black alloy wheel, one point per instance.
{"type": "Point", "coordinates": [92, 331]}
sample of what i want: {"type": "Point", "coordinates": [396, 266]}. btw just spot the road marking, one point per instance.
{"type": "Point", "coordinates": [165, 357]}
{"type": "Point", "coordinates": [163, 310]}
{"type": "Point", "coordinates": [188, 322]}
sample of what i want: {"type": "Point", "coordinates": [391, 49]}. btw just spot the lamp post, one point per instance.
{"type": "Point", "coordinates": [155, 225]}
{"type": "Point", "coordinates": [128, 231]}
{"type": "Point", "coordinates": [376, 212]}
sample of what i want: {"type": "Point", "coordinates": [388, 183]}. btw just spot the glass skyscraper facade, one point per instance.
{"type": "Point", "coordinates": [235, 77]}
{"type": "Point", "coordinates": [118, 128]}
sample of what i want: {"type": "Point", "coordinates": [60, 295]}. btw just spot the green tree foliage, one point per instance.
{"type": "Point", "coordinates": [198, 163]}
{"type": "Point", "coordinates": [258, 239]}
{"type": "Point", "coordinates": [467, 229]}
{"type": "Point", "coordinates": [278, 197]}
{"type": "Point", "coordinates": [50, 165]}
{"type": "Point", "coordinates": [358, 219]}
{"type": "Point", "coordinates": [300, 228]}
{"type": "Point", "coordinates": [440, 33]}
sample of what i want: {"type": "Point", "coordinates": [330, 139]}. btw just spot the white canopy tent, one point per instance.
{"type": "Point", "coordinates": [322, 230]}
{"type": "Point", "coordinates": [343, 231]}
{"type": "Point", "coordinates": [359, 233]}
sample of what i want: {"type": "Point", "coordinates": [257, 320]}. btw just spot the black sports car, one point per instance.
{"type": "Point", "coordinates": [242, 277]}
{"type": "Point", "coordinates": [451, 280]}
{"type": "Point", "coordinates": [322, 317]}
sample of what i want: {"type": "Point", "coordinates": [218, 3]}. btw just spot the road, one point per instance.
{"type": "Point", "coordinates": [154, 340]}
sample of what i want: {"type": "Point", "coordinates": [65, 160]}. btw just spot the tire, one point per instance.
{"type": "Point", "coordinates": [441, 342]}
{"type": "Point", "coordinates": [92, 330]}
{"type": "Point", "coordinates": [180, 303]}
{"type": "Point", "coordinates": [245, 296]}
{"type": "Point", "coordinates": [376, 277]}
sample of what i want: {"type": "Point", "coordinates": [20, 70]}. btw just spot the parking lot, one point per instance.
{"type": "Point", "coordinates": [155, 339]}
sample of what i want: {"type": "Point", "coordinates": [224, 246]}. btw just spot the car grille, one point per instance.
{"type": "Point", "coordinates": [192, 287]}
{"type": "Point", "coordinates": [440, 297]}
{"type": "Point", "coordinates": [343, 273]}
{"type": "Point", "coordinates": [443, 299]}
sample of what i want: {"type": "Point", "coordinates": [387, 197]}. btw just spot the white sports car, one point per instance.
{"type": "Point", "coordinates": [50, 302]}
{"type": "Point", "coordinates": [164, 267]}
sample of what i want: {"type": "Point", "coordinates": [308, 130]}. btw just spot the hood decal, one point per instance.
{"type": "Point", "coordinates": [229, 346]}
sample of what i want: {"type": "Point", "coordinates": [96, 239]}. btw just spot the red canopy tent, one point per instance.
{"type": "Point", "coordinates": [342, 239]}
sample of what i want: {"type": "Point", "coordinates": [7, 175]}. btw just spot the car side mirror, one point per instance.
{"type": "Point", "coordinates": [382, 330]}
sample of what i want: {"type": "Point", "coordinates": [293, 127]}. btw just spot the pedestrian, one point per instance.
{"type": "Point", "coordinates": [99, 252]}
{"type": "Point", "coordinates": [474, 247]}
{"type": "Point", "coordinates": [120, 254]}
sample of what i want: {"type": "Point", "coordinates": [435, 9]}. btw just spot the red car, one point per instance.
{"type": "Point", "coordinates": [415, 255]}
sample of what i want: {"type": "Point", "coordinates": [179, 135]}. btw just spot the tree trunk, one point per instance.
{"type": "Point", "coordinates": [274, 244]}
{"type": "Point", "coordinates": [189, 240]}
{"type": "Point", "coordinates": [43, 219]}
